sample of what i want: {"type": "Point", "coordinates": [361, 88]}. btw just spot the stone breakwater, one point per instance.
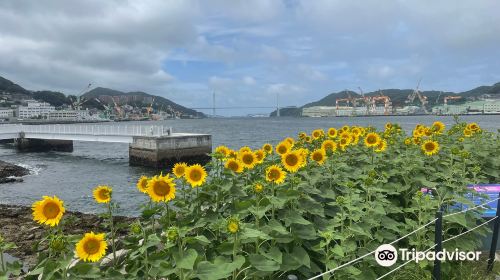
{"type": "Point", "coordinates": [17, 226]}
{"type": "Point", "coordinates": [10, 172]}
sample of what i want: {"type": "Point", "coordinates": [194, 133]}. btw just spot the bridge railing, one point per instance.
{"type": "Point", "coordinates": [103, 130]}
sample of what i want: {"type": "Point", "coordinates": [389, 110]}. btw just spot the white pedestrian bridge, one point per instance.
{"type": "Point", "coordinates": [83, 132]}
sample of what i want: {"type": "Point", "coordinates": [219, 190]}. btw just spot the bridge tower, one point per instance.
{"type": "Point", "coordinates": [277, 105]}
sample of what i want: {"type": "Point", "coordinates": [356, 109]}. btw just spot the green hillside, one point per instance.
{"type": "Point", "coordinates": [159, 102]}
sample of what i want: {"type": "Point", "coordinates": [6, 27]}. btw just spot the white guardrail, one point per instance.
{"type": "Point", "coordinates": [89, 129]}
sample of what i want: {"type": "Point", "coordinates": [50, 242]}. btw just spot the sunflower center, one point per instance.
{"type": "Point", "coordinates": [429, 146]}
{"type": "Point", "coordinates": [104, 194]}
{"type": "Point", "coordinates": [51, 210]}
{"type": "Point", "coordinates": [247, 159]}
{"type": "Point", "coordinates": [91, 246]}
{"type": "Point", "coordinates": [195, 175]}
{"type": "Point", "coordinates": [179, 170]}
{"type": "Point", "coordinates": [282, 149]}
{"type": "Point", "coordinates": [233, 165]}
{"type": "Point", "coordinates": [274, 174]}
{"type": "Point", "coordinates": [317, 156]}
{"type": "Point", "coordinates": [291, 160]}
{"type": "Point", "coordinates": [371, 139]}
{"type": "Point", "coordinates": [162, 188]}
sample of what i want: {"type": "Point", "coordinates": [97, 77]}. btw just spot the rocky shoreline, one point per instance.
{"type": "Point", "coordinates": [11, 173]}
{"type": "Point", "coordinates": [17, 226]}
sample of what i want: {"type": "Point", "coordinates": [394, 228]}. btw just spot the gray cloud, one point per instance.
{"type": "Point", "coordinates": [255, 49]}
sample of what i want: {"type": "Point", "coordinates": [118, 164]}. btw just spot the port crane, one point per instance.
{"type": "Point", "coordinates": [150, 108]}
{"type": "Point", "coordinates": [451, 98]}
{"type": "Point", "coordinates": [76, 105]}
{"type": "Point", "coordinates": [421, 98]}
{"type": "Point", "coordinates": [363, 99]}
{"type": "Point", "coordinates": [381, 97]}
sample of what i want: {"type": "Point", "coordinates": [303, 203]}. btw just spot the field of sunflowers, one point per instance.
{"type": "Point", "coordinates": [300, 207]}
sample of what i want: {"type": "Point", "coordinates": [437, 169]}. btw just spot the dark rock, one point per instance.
{"type": "Point", "coordinates": [9, 172]}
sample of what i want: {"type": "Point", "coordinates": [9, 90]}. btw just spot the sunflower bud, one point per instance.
{"type": "Point", "coordinates": [135, 228]}
{"type": "Point", "coordinates": [58, 244]}
{"type": "Point", "coordinates": [455, 151]}
{"type": "Point", "coordinates": [172, 233]}
{"type": "Point", "coordinates": [233, 225]}
{"type": "Point", "coordinates": [340, 200]}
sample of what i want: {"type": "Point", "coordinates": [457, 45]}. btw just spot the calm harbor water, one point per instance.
{"type": "Point", "coordinates": [72, 176]}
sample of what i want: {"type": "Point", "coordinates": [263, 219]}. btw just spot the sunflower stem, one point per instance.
{"type": "Point", "coordinates": [1, 260]}
{"type": "Point", "coordinates": [112, 233]}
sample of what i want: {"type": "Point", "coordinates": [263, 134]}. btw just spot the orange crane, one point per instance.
{"type": "Point", "coordinates": [451, 98]}
{"type": "Point", "coordinates": [150, 108]}
{"type": "Point", "coordinates": [387, 102]}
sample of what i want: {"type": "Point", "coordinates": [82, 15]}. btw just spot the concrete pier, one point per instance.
{"type": "Point", "coordinates": [165, 151]}
{"type": "Point", "coordinates": [42, 145]}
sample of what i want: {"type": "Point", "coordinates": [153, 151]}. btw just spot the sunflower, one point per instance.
{"type": "Point", "coordinates": [430, 147]}
{"type": "Point", "coordinates": [302, 135]}
{"type": "Point", "coordinates": [372, 139]}
{"type": "Point", "coordinates": [388, 126]}
{"type": "Point", "coordinates": [223, 150]}
{"type": "Point", "coordinates": [260, 155]}
{"type": "Point", "coordinates": [232, 154]}
{"type": "Point", "coordinates": [292, 161]}
{"type": "Point", "coordinates": [234, 165]}
{"type": "Point", "coordinates": [473, 126]}
{"type": "Point", "coordinates": [356, 131]}
{"type": "Point", "coordinates": [467, 132]}
{"type": "Point", "coordinates": [332, 132]}
{"type": "Point", "coordinates": [416, 140]}
{"type": "Point", "coordinates": [318, 133]}
{"type": "Point", "coordinates": [248, 159]}
{"type": "Point", "coordinates": [290, 141]}
{"type": "Point", "coordinates": [319, 156]}
{"type": "Point", "coordinates": [282, 148]}
{"type": "Point", "coordinates": [48, 211]}
{"type": "Point", "coordinates": [258, 188]}
{"type": "Point", "coordinates": [308, 139]}
{"type": "Point", "coordinates": [344, 142]}
{"type": "Point", "coordinates": [275, 174]}
{"type": "Point", "coordinates": [244, 149]}
{"type": "Point", "coordinates": [382, 146]}
{"type": "Point", "coordinates": [161, 188]}
{"type": "Point", "coordinates": [438, 127]}
{"type": "Point", "coordinates": [428, 132]}
{"type": "Point", "coordinates": [142, 184]}
{"type": "Point", "coordinates": [92, 247]}
{"type": "Point", "coordinates": [268, 148]}
{"type": "Point", "coordinates": [407, 141]}
{"type": "Point", "coordinates": [179, 169]}
{"type": "Point", "coordinates": [345, 128]}
{"type": "Point", "coordinates": [329, 145]}
{"type": "Point", "coordinates": [233, 225]}
{"type": "Point", "coordinates": [102, 194]}
{"type": "Point", "coordinates": [195, 175]}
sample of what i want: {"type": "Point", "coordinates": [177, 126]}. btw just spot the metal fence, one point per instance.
{"type": "Point", "coordinates": [98, 130]}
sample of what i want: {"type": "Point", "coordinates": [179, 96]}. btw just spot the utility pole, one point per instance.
{"type": "Point", "coordinates": [277, 105]}
{"type": "Point", "coordinates": [213, 102]}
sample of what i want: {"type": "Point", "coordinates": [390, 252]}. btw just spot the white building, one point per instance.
{"type": "Point", "coordinates": [6, 113]}
{"type": "Point", "coordinates": [69, 115]}
{"type": "Point", "coordinates": [34, 109]}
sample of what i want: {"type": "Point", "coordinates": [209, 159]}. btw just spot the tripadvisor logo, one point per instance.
{"type": "Point", "coordinates": [387, 255]}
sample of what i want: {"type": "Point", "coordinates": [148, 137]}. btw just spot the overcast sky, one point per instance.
{"type": "Point", "coordinates": [249, 51]}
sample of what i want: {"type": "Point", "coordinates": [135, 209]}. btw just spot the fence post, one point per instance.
{"type": "Point", "coordinates": [494, 238]}
{"type": "Point", "coordinates": [438, 240]}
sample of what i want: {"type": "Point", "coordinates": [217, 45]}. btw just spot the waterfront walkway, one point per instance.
{"type": "Point", "coordinates": [85, 132]}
